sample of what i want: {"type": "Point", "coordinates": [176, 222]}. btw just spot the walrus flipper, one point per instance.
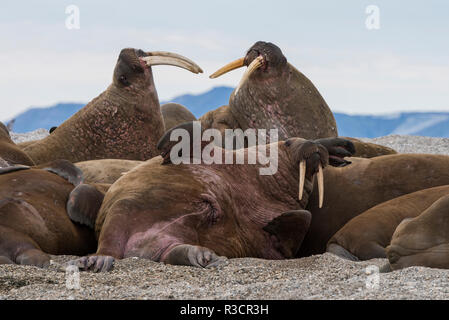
{"type": "Point", "coordinates": [338, 149]}
{"type": "Point", "coordinates": [84, 203]}
{"type": "Point", "coordinates": [65, 169]}
{"type": "Point", "coordinates": [290, 229]}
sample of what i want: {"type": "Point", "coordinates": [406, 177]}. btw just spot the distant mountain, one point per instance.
{"type": "Point", "coordinates": [201, 103]}
{"type": "Point", "coordinates": [432, 124]}
{"type": "Point", "coordinates": [36, 118]}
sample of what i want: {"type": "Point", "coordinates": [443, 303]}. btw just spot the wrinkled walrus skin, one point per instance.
{"type": "Point", "coordinates": [365, 183]}
{"type": "Point", "coordinates": [123, 122]}
{"type": "Point", "coordinates": [367, 235]}
{"type": "Point", "coordinates": [276, 95]}
{"type": "Point", "coordinates": [106, 170]}
{"type": "Point", "coordinates": [194, 214]}
{"type": "Point", "coordinates": [33, 217]}
{"type": "Point", "coordinates": [10, 153]}
{"type": "Point", "coordinates": [423, 240]}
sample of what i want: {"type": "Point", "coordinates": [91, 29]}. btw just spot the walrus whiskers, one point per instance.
{"type": "Point", "coordinates": [253, 66]}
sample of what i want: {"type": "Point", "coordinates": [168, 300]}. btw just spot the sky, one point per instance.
{"type": "Point", "coordinates": [403, 65]}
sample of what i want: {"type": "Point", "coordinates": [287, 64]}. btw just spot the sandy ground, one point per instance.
{"type": "Point", "coordinates": [317, 277]}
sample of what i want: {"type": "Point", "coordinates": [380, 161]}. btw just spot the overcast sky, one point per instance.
{"type": "Point", "coordinates": [402, 66]}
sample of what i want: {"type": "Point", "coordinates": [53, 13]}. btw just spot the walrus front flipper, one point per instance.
{"type": "Point", "coordinates": [84, 202]}
{"type": "Point", "coordinates": [13, 168]}
{"type": "Point", "coordinates": [338, 149]}
{"type": "Point", "coordinates": [17, 247]}
{"type": "Point", "coordinates": [290, 229]}
{"type": "Point", "coordinates": [196, 256]}
{"type": "Point", "coordinates": [65, 169]}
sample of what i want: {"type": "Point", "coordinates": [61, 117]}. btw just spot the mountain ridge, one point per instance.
{"type": "Point", "coordinates": [432, 124]}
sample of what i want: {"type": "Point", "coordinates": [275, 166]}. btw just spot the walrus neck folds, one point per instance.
{"type": "Point", "coordinates": [265, 103]}
{"type": "Point", "coordinates": [282, 101]}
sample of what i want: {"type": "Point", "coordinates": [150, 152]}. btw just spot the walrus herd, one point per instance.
{"type": "Point", "coordinates": [118, 179]}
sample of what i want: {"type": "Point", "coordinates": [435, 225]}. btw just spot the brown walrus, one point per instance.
{"type": "Point", "coordinates": [367, 235]}
{"type": "Point", "coordinates": [105, 170]}
{"type": "Point", "coordinates": [123, 122]}
{"type": "Point", "coordinates": [273, 94]}
{"type": "Point", "coordinates": [423, 240]}
{"type": "Point", "coordinates": [33, 217]}
{"type": "Point", "coordinates": [10, 153]}
{"type": "Point", "coordinates": [193, 214]}
{"type": "Point", "coordinates": [368, 149]}
{"type": "Point", "coordinates": [353, 189]}
{"type": "Point", "coordinates": [175, 114]}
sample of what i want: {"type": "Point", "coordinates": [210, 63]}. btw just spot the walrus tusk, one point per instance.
{"type": "Point", "coordinates": [253, 66]}
{"type": "Point", "coordinates": [176, 56]}
{"type": "Point", "coordinates": [302, 177]}
{"type": "Point", "coordinates": [320, 185]}
{"type": "Point", "coordinates": [173, 59]}
{"type": "Point", "coordinates": [229, 67]}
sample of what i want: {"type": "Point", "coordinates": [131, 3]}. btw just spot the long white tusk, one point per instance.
{"type": "Point", "coordinates": [184, 63]}
{"type": "Point", "coordinates": [302, 177]}
{"type": "Point", "coordinates": [229, 67]}
{"type": "Point", "coordinates": [320, 185]}
{"type": "Point", "coordinates": [176, 56]}
{"type": "Point", "coordinates": [257, 63]}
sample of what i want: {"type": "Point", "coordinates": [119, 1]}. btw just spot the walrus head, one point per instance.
{"type": "Point", "coordinates": [132, 70]}
{"type": "Point", "coordinates": [423, 240]}
{"type": "Point", "coordinates": [264, 59]}
{"type": "Point", "coordinates": [123, 122]}
{"type": "Point", "coordinates": [273, 94]}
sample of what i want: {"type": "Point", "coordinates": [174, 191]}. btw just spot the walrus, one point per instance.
{"type": "Point", "coordinates": [369, 149]}
{"type": "Point", "coordinates": [355, 188]}
{"type": "Point", "coordinates": [423, 240]}
{"type": "Point", "coordinates": [175, 114]}
{"type": "Point", "coordinates": [273, 94]}
{"type": "Point", "coordinates": [34, 220]}
{"type": "Point", "coordinates": [10, 153]}
{"type": "Point", "coordinates": [367, 235]}
{"type": "Point", "coordinates": [105, 170]}
{"type": "Point", "coordinates": [123, 122]}
{"type": "Point", "coordinates": [195, 214]}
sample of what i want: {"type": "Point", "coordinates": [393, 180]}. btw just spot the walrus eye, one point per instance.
{"type": "Point", "coordinates": [123, 80]}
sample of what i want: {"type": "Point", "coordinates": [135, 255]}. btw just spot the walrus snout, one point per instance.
{"type": "Point", "coordinates": [260, 56]}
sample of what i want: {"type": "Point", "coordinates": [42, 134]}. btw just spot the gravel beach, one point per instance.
{"type": "Point", "coordinates": [322, 276]}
